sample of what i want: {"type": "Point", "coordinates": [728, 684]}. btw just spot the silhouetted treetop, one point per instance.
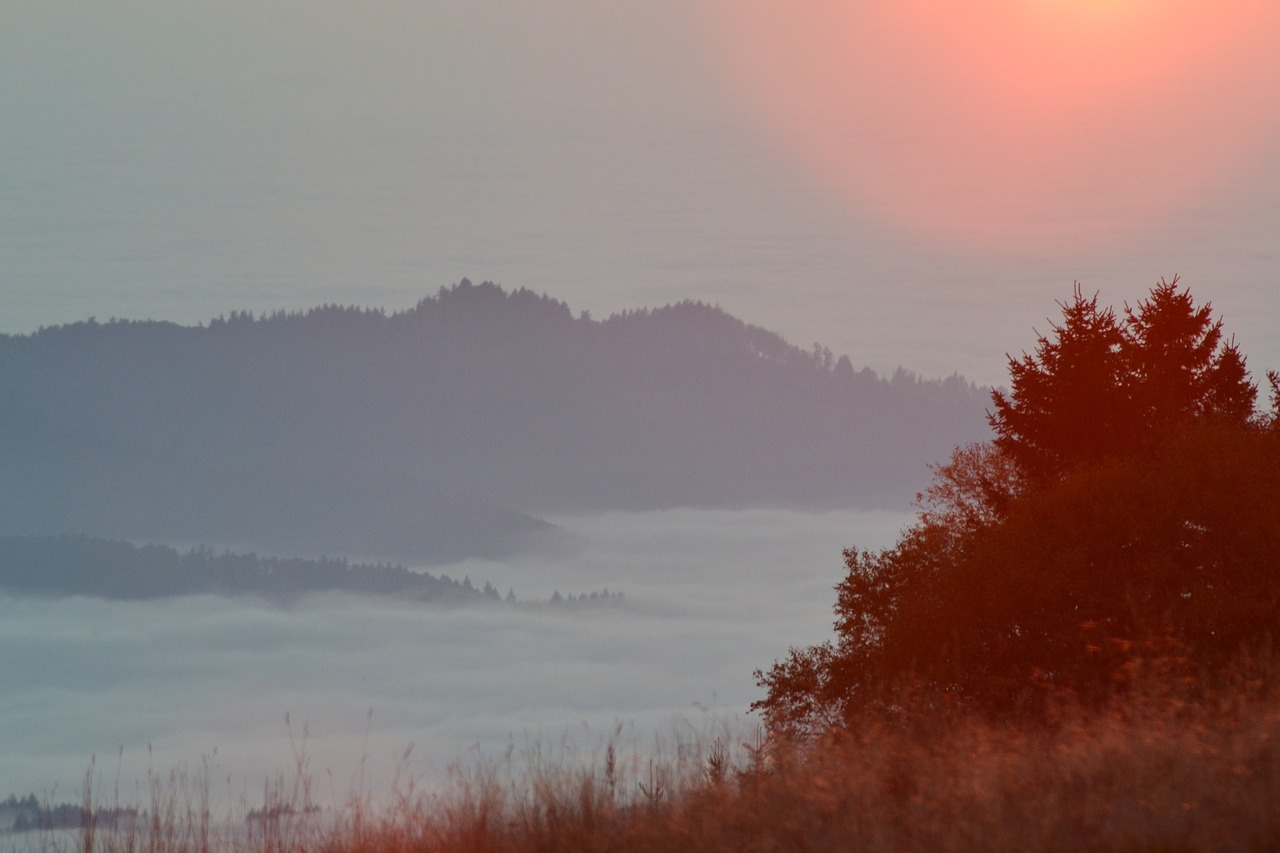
{"type": "Point", "coordinates": [1102, 386]}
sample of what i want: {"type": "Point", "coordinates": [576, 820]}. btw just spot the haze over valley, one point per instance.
{"type": "Point", "coordinates": [679, 481]}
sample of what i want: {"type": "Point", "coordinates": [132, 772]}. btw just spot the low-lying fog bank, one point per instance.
{"type": "Point", "coordinates": [709, 597]}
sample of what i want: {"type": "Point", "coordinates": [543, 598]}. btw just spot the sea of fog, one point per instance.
{"type": "Point", "coordinates": [353, 684]}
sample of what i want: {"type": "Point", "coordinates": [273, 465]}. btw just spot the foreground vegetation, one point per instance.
{"type": "Point", "coordinates": [1156, 773]}
{"type": "Point", "coordinates": [1126, 511]}
{"type": "Point", "coordinates": [1163, 770]}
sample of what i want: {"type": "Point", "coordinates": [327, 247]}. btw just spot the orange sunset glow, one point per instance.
{"type": "Point", "coordinates": [1044, 122]}
{"type": "Point", "coordinates": [673, 425]}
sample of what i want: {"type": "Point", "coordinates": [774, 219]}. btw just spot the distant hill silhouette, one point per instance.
{"type": "Point", "coordinates": [54, 566]}
{"type": "Point", "coordinates": [430, 433]}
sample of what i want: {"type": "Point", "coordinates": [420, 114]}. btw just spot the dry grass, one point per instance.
{"type": "Point", "coordinates": [1154, 773]}
{"type": "Point", "coordinates": [1148, 775]}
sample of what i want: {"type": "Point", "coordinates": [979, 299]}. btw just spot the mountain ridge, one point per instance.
{"type": "Point", "coordinates": [352, 429]}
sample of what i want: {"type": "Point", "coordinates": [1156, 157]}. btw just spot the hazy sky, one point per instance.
{"type": "Point", "coordinates": [910, 183]}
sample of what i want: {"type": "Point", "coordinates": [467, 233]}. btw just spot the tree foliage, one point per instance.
{"type": "Point", "coordinates": [1102, 386]}
{"type": "Point", "coordinates": [1128, 506]}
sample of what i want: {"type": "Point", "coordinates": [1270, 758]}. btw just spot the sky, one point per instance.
{"type": "Point", "coordinates": [911, 183]}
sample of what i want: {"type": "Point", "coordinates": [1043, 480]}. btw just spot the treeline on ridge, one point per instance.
{"type": "Point", "coordinates": [104, 568]}
{"type": "Point", "coordinates": [432, 433]}
{"type": "Point", "coordinates": [55, 566]}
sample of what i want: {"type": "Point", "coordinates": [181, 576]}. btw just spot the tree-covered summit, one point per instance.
{"type": "Point", "coordinates": [436, 431]}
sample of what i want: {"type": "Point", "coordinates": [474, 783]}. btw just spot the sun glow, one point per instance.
{"type": "Point", "coordinates": [1095, 12]}
{"type": "Point", "coordinates": [1040, 121]}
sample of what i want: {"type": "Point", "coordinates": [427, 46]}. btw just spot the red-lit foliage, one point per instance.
{"type": "Point", "coordinates": [1103, 387]}
{"type": "Point", "coordinates": [1129, 507]}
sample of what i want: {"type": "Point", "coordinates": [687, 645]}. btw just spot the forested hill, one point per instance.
{"type": "Point", "coordinates": [427, 432]}
{"type": "Point", "coordinates": [55, 566]}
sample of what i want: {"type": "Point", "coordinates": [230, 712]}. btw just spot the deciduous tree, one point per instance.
{"type": "Point", "coordinates": [1129, 504]}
